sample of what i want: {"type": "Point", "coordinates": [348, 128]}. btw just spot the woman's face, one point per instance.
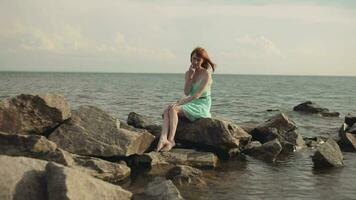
{"type": "Point", "coordinates": [196, 60]}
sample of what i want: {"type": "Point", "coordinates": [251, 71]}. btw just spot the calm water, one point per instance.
{"type": "Point", "coordinates": [237, 97]}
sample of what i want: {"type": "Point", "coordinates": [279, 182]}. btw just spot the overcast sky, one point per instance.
{"type": "Point", "coordinates": [156, 36]}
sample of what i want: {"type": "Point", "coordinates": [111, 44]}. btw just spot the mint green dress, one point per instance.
{"type": "Point", "coordinates": [198, 108]}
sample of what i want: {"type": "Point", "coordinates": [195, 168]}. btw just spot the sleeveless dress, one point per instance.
{"type": "Point", "coordinates": [198, 108]}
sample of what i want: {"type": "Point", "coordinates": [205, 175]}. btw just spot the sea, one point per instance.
{"type": "Point", "coordinates": [240, 98]}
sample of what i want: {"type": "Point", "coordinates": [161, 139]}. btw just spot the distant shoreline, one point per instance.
{"type": "Point", "coordinates": [85, 72]}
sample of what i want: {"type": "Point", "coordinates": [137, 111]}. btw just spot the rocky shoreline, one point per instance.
{"type": "Point", "coordinates": [49, 151]}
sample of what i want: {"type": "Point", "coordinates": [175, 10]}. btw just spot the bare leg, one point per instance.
{"type": "Point", "coordinates": [164, 133]}
{"type": "Point", "coordinates": [173, 122]}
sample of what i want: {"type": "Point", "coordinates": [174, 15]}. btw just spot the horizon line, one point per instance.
{"type": "Point", "coordinates": [113, 72]}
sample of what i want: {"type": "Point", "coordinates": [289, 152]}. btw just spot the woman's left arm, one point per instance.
{"type": "Point", "coordinates": [187, 99]}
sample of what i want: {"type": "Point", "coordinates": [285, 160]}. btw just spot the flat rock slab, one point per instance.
{"type": "Point", "coordinates": [22, 178]}
{"type": "Point", "coordinates": [33, 114]}
{"type": "Point", "coordinates": [93, 132]}
{"type": "Point", "coordinates": [159, 189]}
{"type": "Point", "coordinates": [162, 162]}
{"type": "Point", "coordinates": [66, 183]}
{"type": "Point", "coordinates": [327, 155]}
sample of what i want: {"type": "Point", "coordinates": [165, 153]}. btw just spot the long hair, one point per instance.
{"type": "Point", "coordinates": [199, 51]}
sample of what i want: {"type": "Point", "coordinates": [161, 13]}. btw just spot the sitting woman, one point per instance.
{"type": "Point", "coordinates": [197, 102]}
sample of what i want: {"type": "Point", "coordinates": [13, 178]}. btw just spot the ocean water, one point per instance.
{"type": "Point", "coordinates": [241, 98]}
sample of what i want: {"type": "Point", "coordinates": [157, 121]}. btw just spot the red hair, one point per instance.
{"type": "Point", "coordinates": [203, 54]}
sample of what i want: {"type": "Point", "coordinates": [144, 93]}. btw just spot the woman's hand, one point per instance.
{"type": "Point", "coordinates": [191, 71]}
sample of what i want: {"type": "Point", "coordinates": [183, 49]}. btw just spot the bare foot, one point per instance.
{"type": "Point", "coordinates": [160, 145]}
{"type": "Point", "coordinates": [169, 145]}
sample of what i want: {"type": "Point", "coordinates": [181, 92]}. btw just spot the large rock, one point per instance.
{"type": "Point", "coordinates": [143, 122]}
{"type": "Point", "coordinates": [33, 114]}
{"type": "Point", "coordinates": [327, 155]}
{"type": "Point", "coordinates": [311, 107]}
{"type": "Point", "coordinates": [39, 147]}
{"type": "Point", "coordinates": [215, 133]}
{"type": "Point", "coordinates": [34, 146]}
{"type": "Point", "coordinates": [185, 175]}
{"type": "Point", "coordinates": [159, 189]}
{"type": "Point", "coordinates": [347, 137]}
{"type": "Point", "coordinates": [101, 169]}
{"type": "Point", "coordinates": [93, 132]}
{"type": "Point", "coordinates": [281, 127]}
{"type": "Point", "coordinates": [22, 178]}
{"type": "Point", "coordinates": [66, 183]}
{"type": "Point", "coordinates": [161, 162]}
{"type": "Point", "coordinates": [267, 151]}
{"type": "Point", "coordinates": [350, 120]}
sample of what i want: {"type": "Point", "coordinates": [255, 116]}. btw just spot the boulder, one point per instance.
{"type": "Point", "coordinates": [93, 132]}
{"type": "Point", "coordinates": [185, 175]}
{"type": "Point", "coordinates": [66, 183]}
{"type": "Point", "coordinates": [159, 189]}
{"type": "Point", "coordinates": [34, 146]}
{"type": "Point", "coordinates": [327, 155]}
{"type": "Point", "coordinates": [350, 119]}
{"type": "Point", "coordinates": [22, 178]}
{"type": "Point", "coordinates": [281, 127]}
{"type": "Point", "coordinates": [267, 151]}
{"type": "Point", "coordinates": [217, 134]}
{"type": "Point", "coordinates": [347, 141]}
{"type": "Point", "coordinates": [39, 147]}
{"type": "Point", "coordinates": [102, 169]}
{"type": "Point", "coordinates": [143, 122]}
{"type": "Point", "coordinates": [161, 162]}
{"type": "Point", "coordinates": [33, 114]}
{"type": "Point", "coordinates": [311, 107]}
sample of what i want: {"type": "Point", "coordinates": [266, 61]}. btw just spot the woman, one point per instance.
{"type": "Point", "coordinates": [197, 102]}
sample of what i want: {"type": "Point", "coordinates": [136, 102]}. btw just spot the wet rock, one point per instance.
{"type": "Point", "coordinates": [267, 151]}
{"type": "Point", "coordinates": [314, 142]}
{"type": "Point", "coordinates": [327, 155]}
{"type": "Point", "coordinates": [161, 162]}
{"type": "Point", "coordinates": [33, 114]}
{"type": "Point", "coordinates": [347, 141]}
{"type": "Point", "coordinates": [159, 189]}
{"type": "Point", "coordinates": [34, 146]}
{"type": "Point", "coordinates": [66, 183]}
{"type": "Point", "coordinates": [143, 122]}
{"type": "Point", "coordinates": [22, 178]}
{"type": "Point", "coordinates": [350, 120]}
{"type": "Point", "coordinates": [93, 132]}
{"type": "Point", "coordinates": [185, 175]}
{"type": "Point", "coordinates": [311, 107]}
{"type": "Point", "coordinates": [102, 169]}
{"type": "Point", "coordinates": [281, 127]}
{"type": "Point", "coordinates": [215, 133]}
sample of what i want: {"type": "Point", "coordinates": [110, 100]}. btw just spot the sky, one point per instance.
{"type": "Point", "coordinates": [286, 37]}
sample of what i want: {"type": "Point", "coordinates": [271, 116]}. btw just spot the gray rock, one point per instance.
{"type": "Point", "coordinates": [143, 122]}
{"type": "Point", "coordinates": [348, 141]}
{"type": "Point", "coordinates": [185, 175]}
{"type": "Point", "coordinates": [350, 119]}
{"type": "Point", "coordinates": [66, 183]}
{"type": "Point", "coordinates": [22, 178]}
{"type": "Point", "coordinates": [218, 134]}
{"type": "Point", "coordinates": [159, 189]}
{"type": "Point", "coordinates": [327, 155]}
{"type": "Point", "coordinates": [39, 147]}
{"type": "Point", "coordinates": [281, 127]}
{"type": "Point", "coordinates": [93, 132]}
{"type": "Point", "coordinates": [101, 169]}
{"type": "Point", "coordinates": [34, 146]}
{"type": "Point", "coordinates": [267, 151]}
{"type": "Point", "coordinates": [33, 114]}
{"type": "Point", "coordinates": [161, 162]}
